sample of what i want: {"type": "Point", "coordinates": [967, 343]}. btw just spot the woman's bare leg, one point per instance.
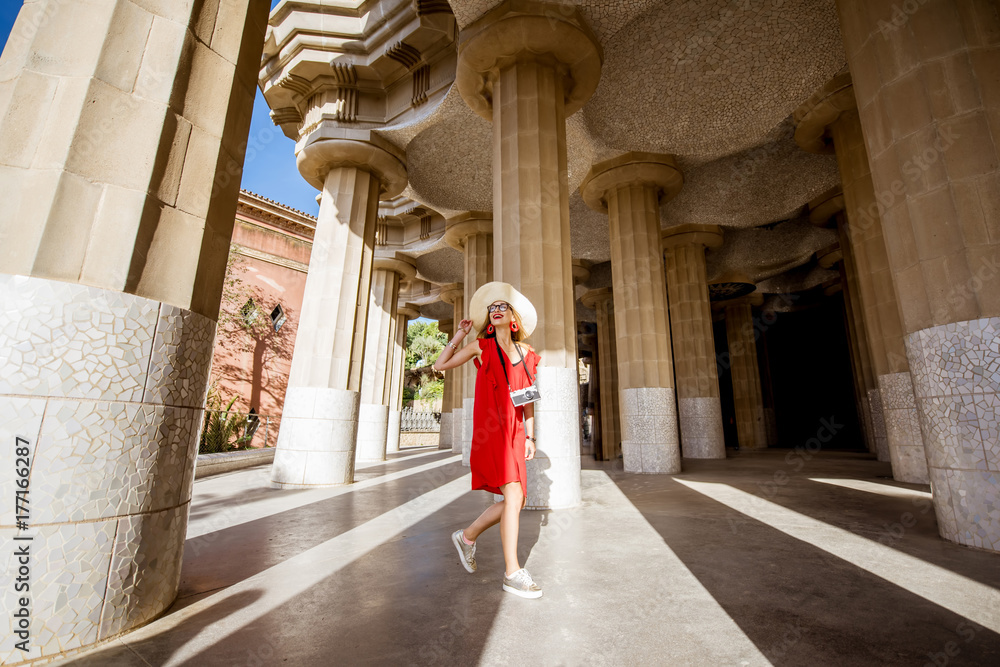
{"type": "Point", "coordinates": [489, 518]}
{"type": "Point", "coordinates": [513, 500]}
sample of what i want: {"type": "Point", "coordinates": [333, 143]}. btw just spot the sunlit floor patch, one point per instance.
{"type": "Point", "coordinates": [977, 602]}
{"type": "Point", "coordinates": [873, 487]}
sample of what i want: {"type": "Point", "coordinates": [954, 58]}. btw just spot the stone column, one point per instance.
{"type": "Point", "coordinates": [316, 444]}
{"type": "Point", "coordinates": [747, 394]}
{"type": "Point", "coordinates": [403, 316]}
{"type": "Point", "coordinates": [630, 188]}
{"type": "Point", "coordinates": [928, 97]}
{"type": "Point", "coordinates": [380, 345]}
{"type": "Point", "coordinates": [828, 210]}
{"type": "Point", "coordinates": [448, 396]}
{"type": "Point", "coordinates": [455, 295]}
{"type": "Point", "coordinates": [827, 121]}
{"type": "Point", "coordinates": [527, 66]}
{"type": "Point", "coordinates": [602, 302]}
{"type": "Point", "coordinates": [695, 365]}
{"type": "Point", "coordinates": [471, 233]}
{"type": "Point", "coordinates": [117, 155]}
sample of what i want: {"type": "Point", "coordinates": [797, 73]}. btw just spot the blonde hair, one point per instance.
{"type": "Point", "coordinates": [516, 336]}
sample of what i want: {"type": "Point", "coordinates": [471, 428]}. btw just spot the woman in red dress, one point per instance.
{"type": "Point", "coordinates": [503, 434]}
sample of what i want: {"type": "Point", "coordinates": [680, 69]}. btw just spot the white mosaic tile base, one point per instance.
{"type": "Point", "coordinates": [444, 439]}
{"type": "Point", "coordinates": [878, 425]}
{"type": "Point", "coordinates": [956, 379]}
{"type": "Point", "coordinates": [457, 426]}
{"type": "Point", "coordinates": [392, 432]}
{"type": "Point", "coordinates": [373, 430]}
{"type": "Point", "coordinates": [554, 473]}
{"type": "Point", "coordinates": [650, 442]}
{"type": "Point", "coordinates": [702, 436]}
{"type": "Point", "coordinates": [468, 414]}
{"type": "Point", "coordinates": [109, 388]}
{"type": "Point", "coordinates": [316, 443]}
{"type": "Point", "coordinates": [902, 428]}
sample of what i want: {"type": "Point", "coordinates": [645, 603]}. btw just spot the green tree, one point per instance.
{"type": "Point", "coordinates": [424, 343]}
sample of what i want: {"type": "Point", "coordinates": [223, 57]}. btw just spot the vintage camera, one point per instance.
{"type": "Point", "coordinates": [525, 396]}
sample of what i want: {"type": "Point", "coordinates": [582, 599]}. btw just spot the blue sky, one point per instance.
{"type": "Point", "coordinates": [270, 166]}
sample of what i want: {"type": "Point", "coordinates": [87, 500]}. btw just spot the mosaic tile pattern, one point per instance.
{"type": "Point", "coordinates": [70, 575]}
{"type": "Point", "coordinates": [554, 473]}
{"type": "Point", "coordinates": [878, 425]}
{"type": "Point", "coordinates": [392, 437]}
{"type": "Point", "coordinates": [150, 545]}
{"type": "Point", "coordinates": [101, 460]}
{"type": "Point", "coordinates": [317, 440]}
{"type": "Point", "coordinates": [902, 428]}
{"type": "Point", "coordinates": [702, 435]}
{"type": "Point", "coordinates": [956, 377]}
{"type": "Point", "coordinates": [444, 441]}
{"type": "Point", "coordinates": [178, 372]}
{"type": "Point", "coordinates": [457, 428]}
{"type": "Point", "coordinates": [113, 466]}
{"type": "Point", "coordinates": [373, 429]}
{"type": "Point", "coordinates": [650, 442]}
{"type": "Point", "coordinates": [73, 341]}
{"type": "Point", "coordinates": [468, 414]}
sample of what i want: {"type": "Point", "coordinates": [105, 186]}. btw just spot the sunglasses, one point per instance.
{"type": "Point", "coordinates": [502, 307]}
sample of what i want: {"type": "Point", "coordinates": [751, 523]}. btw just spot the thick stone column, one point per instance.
{"type": "Point", "coordinates": [828, 121]}
{"type": "Point", "coordinates": [825, 211]}
{"type": "Point", "coordinates": [747, 394]}
{"type": "Point", "coordinates": [602, 302]}
{"type": "Point", "coordinates": [121, 131]}
{"type": "Point", "coordinates": [928, 98]}
{"type": "Point", "coordinates": [630, 188]}
{"type": "Point", "coordinates": [455, 295]}
{"type": "Point", "coordinates": [316, 445]}
{"type": "Point", "coordinates": [695, 365]}
{"type": "Point", "coordinates": [380, 344]}
{"type": "Point", "coordinates": [447, 399]}
{"type": "Point", "coordinates": [471, 233]}
{"type": "Point", "coordinates": [527, 66]}
{"type": "Point", "coordinates": [403, 316]}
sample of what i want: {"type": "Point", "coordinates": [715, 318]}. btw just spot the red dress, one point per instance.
{"type": "Point", "coordinates": [497, 456]}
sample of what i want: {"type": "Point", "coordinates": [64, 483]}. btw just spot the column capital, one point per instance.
{"type": "Point", "coordinates": [581, 271]}
{"type": "Point", "coordinates": [446, 326]}
{"type": "Point", "coordinates": [824, 208]}
{"type": "Point", "coordinates": [830, 255]}
{"type": "Point", "coordinates": [315, 161]}
{"type": "Point", "coordinates": [409, 309]}
{"type": "Point", "coordinates": [525, 29]}
{"type": "Point", "coordinates": [594, 297]}
{"type": "Point", "coordinates": [752, 299]}
{"type": "Point", "coordinates": [452, 293]}
{"type": "Point", "coordinates": [405, 269]}
{"type": "Point", "coordinates": [709, 236]}
{"type": "Point", "coordinates": [821, 111]}
{"type": "Point", "coordinates": [635, 168]}
{"type": "Point", "coordinates": [466, 224]}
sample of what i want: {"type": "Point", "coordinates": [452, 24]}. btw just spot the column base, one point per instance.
{"type": "Point", "coordinates": [554, 473]}
{"type": "Point", "coordinates": [956, 377]}
{"type": "Point", "coordinates": [392, 433]}
{"type": "Point", "coordinates": [373, 422]}
{"type": "Point", "coordinates": [444, 434]}
{"type": "Point", "coordinates": [316, 444]}
{"type": "Point", "coordinates": [120, 381]}
{"type": "Point", "coordinates": [878, 425]}
{"type": "Point", "coordinates": [701, 428]}
{"type": "Point", "coordinates": [649, 431]}
{"type": "Point", "coordinates": [457, 425]}
{"type": "Point", "coordinates": [902, 428]}
{"type": "Point", "coordinates": [468, 408]}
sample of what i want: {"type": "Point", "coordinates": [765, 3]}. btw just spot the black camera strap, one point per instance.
{"type": "Point", "coordinates": [502, 356]}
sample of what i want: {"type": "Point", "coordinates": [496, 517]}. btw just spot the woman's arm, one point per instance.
{"type": "Point", "coordinates": [449, 357]}
{"type": "Point", "coordinates": [529, 427]}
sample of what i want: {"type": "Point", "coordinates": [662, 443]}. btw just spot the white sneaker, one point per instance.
{"type": "Point", "coordinates": [466, 552]}
{"type": "Point", "coordinates": [521, 583]}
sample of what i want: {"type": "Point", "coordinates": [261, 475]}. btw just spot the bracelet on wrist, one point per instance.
{"type": "Point", "coordinates": [452, 345]}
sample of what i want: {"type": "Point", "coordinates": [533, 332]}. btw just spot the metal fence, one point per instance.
{"type": "Point", "coordinates": [224, 431]}
{"type": "Point", "coordinates": [411, 420]}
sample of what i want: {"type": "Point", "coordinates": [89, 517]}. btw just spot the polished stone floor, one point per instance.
{"type": "Point", "coordinates": [764, 558]}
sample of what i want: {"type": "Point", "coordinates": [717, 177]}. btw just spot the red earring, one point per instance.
{"type": "Point", "coordinates": [513, 326]}
{"type": "Point", "coordinates": [489, 329]}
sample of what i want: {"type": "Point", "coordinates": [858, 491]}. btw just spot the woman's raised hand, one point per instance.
{"type": "Point", "coordinates": [466, 326]}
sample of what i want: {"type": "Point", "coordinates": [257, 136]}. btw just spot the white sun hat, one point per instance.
{"type": "Point", "coordinates": [500, 291]}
